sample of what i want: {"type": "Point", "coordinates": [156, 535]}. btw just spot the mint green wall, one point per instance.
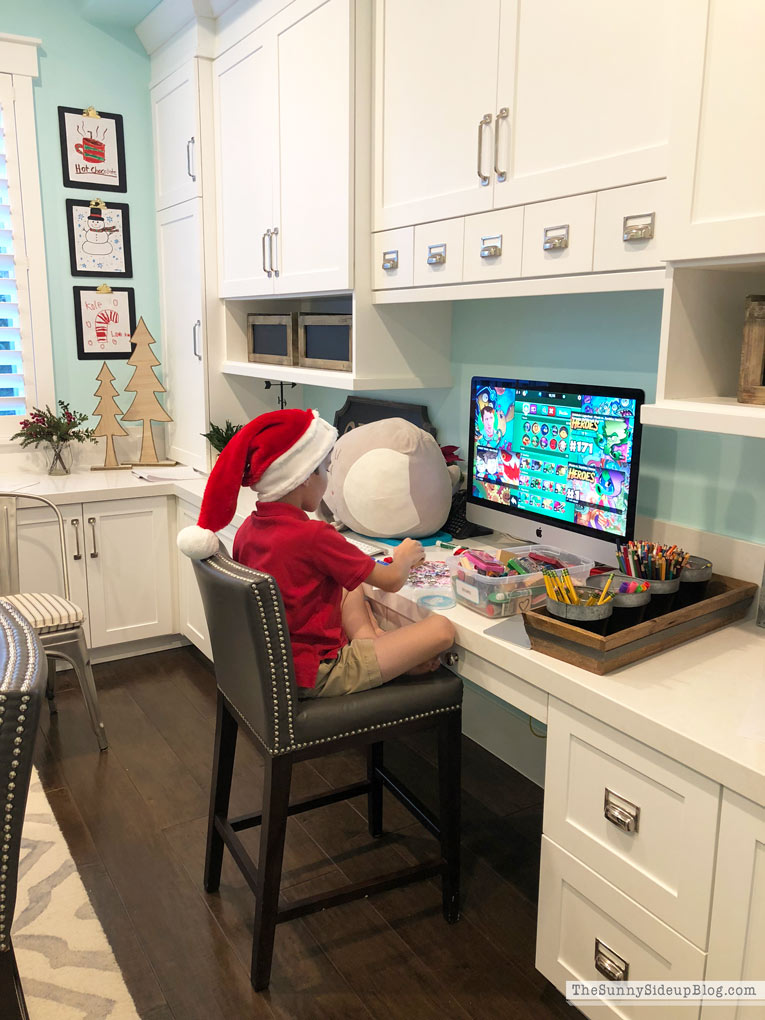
{"type": "Point", "coordinates": [699, 479]}
{"type": "Point", "coordinates": [84, 65]}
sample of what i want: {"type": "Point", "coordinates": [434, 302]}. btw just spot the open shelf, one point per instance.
{"type": "Point", "coordinates": [319, 376]}
{"type": "Point", "coordinates": [713, 414]}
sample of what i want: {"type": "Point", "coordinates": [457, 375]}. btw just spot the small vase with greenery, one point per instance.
{"type": "Point", "coordinates": [218, 436]}
{"type": "Point", "coordinates": [58, 431]}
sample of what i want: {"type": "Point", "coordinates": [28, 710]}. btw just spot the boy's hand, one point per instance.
{"type": "Point", "coordinates": [410, 552]}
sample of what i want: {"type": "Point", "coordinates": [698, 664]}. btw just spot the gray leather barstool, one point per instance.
{"type": "Point", "coordinates": [23, 673]}
{"type": "Point", "coordinates": [256, 687]}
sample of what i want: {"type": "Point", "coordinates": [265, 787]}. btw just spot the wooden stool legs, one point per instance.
{"type": "Point", "coordinates": [450, 796]}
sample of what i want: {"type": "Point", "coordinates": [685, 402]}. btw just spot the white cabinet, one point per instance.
{"type": "Point", "coordinates": [717, 199]}
{"type": "Point", "coordinates": [514, 101]}
{"type": "Point", "coordinates": [737, 937]}
{"type": "Point", "coordinates": [177, 166]}
{"type": "Point", "coordinates": [120, 565]}
{"type": "Point", "coordinates": [179, 235]}
{"type": "Point", "coordinates": [283, 116]}
{"type": "Point", "coordinates": [191, 613]}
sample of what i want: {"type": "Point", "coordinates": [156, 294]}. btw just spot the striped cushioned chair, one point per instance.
{"type": "Point", "coordinates": [56, 619]}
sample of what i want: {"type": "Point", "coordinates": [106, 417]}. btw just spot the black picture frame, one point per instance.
{"type": "Point", "coordinates": [96, 352]}
{"type": "Point", "coordinates": [111, 175]}
{"type": "Point", "coordinates": [74, 203]}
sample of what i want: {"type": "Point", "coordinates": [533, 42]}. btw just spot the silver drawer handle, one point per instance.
{"type": "Point", "coordinates": [390, 259]}
{"type": "Point", "coordinates": [555, 241]}
{"type": "Point", "coordinates": [482, 123]}
{"type": "Point", "coordinates": [639, 231]}
{"type": "Point", "coordinates": [76, 525]}
{"type": "Point", "coordinates": [436, 254]}
{"type": "Point", "coordinates": [266, 235]}
{"type": "Point", "coordinates": [501, 174]}
{"type": "Point", "coordinates": [92, 523]}
{"type": "Point", "coordinates": [195, 339]}
{"type": "Point", "coordinates": [610, 964]}
{"type": "Point", "coordinates": [189, 164]}
{"type": "Point", "coordinates": [274, 243]}
{"type": "Point", "coordinates": [491, 251]}
{"type": "Point", "coordinates": [621, 813]}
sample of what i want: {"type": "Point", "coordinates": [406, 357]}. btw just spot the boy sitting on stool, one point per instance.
{"type": "Point", "coordinates": [336, 646]}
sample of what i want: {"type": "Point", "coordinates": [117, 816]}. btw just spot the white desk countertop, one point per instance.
{"type": "Point", "coordinates": [702, 703]}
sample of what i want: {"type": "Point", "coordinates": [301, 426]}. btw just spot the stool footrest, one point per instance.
{"type": "Point", "coordinates": [408, 799]}
{"type": "Point", "coordinates": [355, 891]}
{"type": "Point", "coordinates": [305, 804]}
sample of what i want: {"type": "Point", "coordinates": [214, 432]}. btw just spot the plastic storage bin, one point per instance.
{"type": "Point", "coordinates": [505, 596]}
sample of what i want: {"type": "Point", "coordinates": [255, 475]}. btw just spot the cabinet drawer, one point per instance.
{"type": "Point", "coordinates": [577, 910]}
{"type": "Point", "coordinates": [631, 213]}
{"type": "Point", "coordinates": [666, 862]}
{"type": "Point", "coordinates": [567, 227]}
{"type": "Point", "coordinates": [394, 249]}
{"type": "Point", "coordinates": [433, 241]}
{"type": "Point", "coordinates": [484, 234]}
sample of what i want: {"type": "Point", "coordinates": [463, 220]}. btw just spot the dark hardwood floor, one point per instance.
{"type": "Point", "coordinates": [135, 821]}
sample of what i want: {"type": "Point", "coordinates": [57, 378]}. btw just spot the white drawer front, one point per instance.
{"type": "Point", "coordinates": [432, 240]}
{"type": "Point", "coordinates": [567, 227]}
{"type": "Point", "coordinates": [667, 863]}
{"type": "Point", "coordinates": [499, 236]}
{"type": "Point", "coordinates": [578, 909]}
{"type": "Point", "coordinates": [393, 249]}
{"type": "Point", "coordinates": [633, 213]}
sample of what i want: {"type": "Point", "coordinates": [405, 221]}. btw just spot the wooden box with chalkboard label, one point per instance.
{"type": "Point", "coordinates": [325, 341]}
{"type": "Point", "coordinates": [271, 339]}
{"type": "Point", "coordinates": [751, 380]}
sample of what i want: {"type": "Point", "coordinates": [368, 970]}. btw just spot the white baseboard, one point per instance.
{"type": "Point", "coordinates": [110, 653]}
{"type": "Point", "coordinates": [504, 732]}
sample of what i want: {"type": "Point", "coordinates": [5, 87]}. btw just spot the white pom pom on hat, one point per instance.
{"type": "Point", "coordinates": [274, 454]}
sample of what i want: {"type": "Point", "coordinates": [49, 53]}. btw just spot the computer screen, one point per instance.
{"type": "Point", "coordinates": [562, 454]}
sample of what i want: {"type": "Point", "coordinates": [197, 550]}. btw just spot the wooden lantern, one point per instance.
{"type": "Point", "coordinates": [751, 380]}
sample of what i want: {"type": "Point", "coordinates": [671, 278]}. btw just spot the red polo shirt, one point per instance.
{"type": "Point", "coordinates": [311, 563]}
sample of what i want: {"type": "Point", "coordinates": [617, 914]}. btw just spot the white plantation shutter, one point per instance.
{"type": "Point", "coordinates": [12, 266]}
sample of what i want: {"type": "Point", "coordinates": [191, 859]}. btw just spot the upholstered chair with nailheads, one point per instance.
{"type": "Point", "coordinates": [256, 689]}
{"type": "Point", "coordinates": [57, 620]}
{"type": "Point", "coordinates": [22, 687]}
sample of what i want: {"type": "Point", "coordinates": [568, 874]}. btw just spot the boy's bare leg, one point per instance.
{"type": "Point", "coordinates": [357, 622]}
{"type": "Point", "coordinates": [413, 648]}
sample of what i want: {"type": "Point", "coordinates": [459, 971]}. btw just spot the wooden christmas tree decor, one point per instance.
{"type": "Point", "coordinates": [144, 383]}
{"type": "Point", "coordinates": [107, 410]}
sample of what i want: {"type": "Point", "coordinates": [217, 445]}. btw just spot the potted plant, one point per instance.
{"type": "Point", "coordinates": [57, 431]}
{"type": "Point", "coordinates": [218, 435]}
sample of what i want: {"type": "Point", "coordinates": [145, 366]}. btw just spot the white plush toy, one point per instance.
{"type": "Point", "coordinates": [389, 479]}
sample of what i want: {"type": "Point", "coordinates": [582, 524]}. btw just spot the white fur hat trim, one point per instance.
{"type": "Point", "coordinates": [197, 543]}
{"type": "Point", "coordinates": [300, 461]}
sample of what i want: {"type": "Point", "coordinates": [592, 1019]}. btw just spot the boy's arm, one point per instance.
{"type": "Point", "coordinates": [392, 576]}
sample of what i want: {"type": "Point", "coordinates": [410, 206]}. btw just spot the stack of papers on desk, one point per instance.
{"type": "Point", "coordinates": [177, 473]}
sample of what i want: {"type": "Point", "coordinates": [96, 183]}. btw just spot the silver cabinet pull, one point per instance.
{"type": "Point", "coordinates": [482, 123]}
{"type": "Point", "coordinates": [502, 115]}
{"type": "Point", "coordinates": [554, 241]}
{"type": "Point", "coordinates": [92, 523]}
{"type": "Point", "coordinates": [274, 246]}
{"type": "Point", "coordinates": [639, 231]}
{"type": "Point", "coordinates": [610, 964]}
{"type": "Point", "coordinates": [436, 254]}
{"type": "Point", "coordinates": [195, 339]}
{"type": "Point", "coordinates": [390, 259]}
{"type": "Point", "coordinates": [491, 251]}
{"type": "Point", "coordinates": [76, 525]}
{"type": "Point", "coordinates": [621, 812]}
{"type": "Point", "coordinates": [266, 269]}
{"type": "Point", "coordinates": [189, 164]}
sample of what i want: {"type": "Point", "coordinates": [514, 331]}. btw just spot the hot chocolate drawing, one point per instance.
{"type": "Point", "coordinates": [92, 148]}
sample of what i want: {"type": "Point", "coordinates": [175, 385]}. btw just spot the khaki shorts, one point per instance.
{"type": "Point", "coordinates": [355, 669]}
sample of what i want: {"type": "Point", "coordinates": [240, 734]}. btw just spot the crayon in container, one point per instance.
{"type": "Point", "coordinates": [694, 581]}
{"type": "Point", "coordinates": [593, 618]}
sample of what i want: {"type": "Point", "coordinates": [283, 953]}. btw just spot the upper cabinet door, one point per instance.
{"type": "Point", "coordinates": [717, 188]}
{"type": "Point", "coordinates": [313, 187]}
{"type": "Point", "coordinates": [177, 164]}
{"type": "Point", "coordinates": [585, 86]}
{"type": "Point", "coordinates": [435, 83]}
{"type": "Point", "coordinates": [245, 120]}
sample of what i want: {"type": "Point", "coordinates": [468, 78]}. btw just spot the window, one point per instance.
{"type": "Point", "coordinates": [26, 375]}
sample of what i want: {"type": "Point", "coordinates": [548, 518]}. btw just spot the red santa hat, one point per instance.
{"type": "Point", "coordinates": [273, 454]}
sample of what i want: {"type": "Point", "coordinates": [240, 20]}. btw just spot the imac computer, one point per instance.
{"type": "Point", "coordinates": [554, 463]}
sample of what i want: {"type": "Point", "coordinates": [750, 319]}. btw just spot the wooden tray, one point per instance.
{"type": "Point", "coordinates": [727, 600]}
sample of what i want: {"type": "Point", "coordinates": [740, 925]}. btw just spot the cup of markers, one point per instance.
{"type": "Point", "coordinates": [586, 607]}
{"type": "Point", "coordinates": [631, 596]}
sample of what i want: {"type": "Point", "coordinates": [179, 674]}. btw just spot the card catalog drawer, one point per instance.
{"type": "Point", "coordinates": [628, 222]}
{"type": "Point", "coordinates": [588, 931]}
{"type": "Point", "coordinates": [392, 258]}
{"type": "Point", "coordinates": [438, 252]}
{"type": "Point", "coordinates": [640, 819]}
{"type": "Point", "coordinates": [558, 236]}
{"type": "Point", "coordinates": [493, 245]}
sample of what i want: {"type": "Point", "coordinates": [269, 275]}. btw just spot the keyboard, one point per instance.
{"type": "Point", "coordinates": [370, 548]}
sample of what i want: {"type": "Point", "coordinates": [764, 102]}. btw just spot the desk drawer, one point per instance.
{"type": "Point", "coordinates": [577, 908]}
{"type": "Point", "coordinates": [558, 236]}
{"type": "Point", "coordinates": [666, 862]}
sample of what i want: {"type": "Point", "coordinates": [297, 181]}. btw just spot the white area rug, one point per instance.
{"type": "Point", "coordinates": [66, 964]}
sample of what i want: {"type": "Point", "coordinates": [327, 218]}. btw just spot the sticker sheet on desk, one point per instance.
{"type": "Point", "coordinates": [431, 574]}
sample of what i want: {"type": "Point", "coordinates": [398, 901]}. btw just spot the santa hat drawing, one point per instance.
{"type": "Point", "coordinates": [273, 454]}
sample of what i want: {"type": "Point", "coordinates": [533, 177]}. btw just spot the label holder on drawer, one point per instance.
{"type": "Point", "coordinates": [620, 812]}
{"type": "Point", "coordinates": [610, 964]}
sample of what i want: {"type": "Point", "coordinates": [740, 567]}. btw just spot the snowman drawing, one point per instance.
{"type": "Point", "coordinates": [97, 238]}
